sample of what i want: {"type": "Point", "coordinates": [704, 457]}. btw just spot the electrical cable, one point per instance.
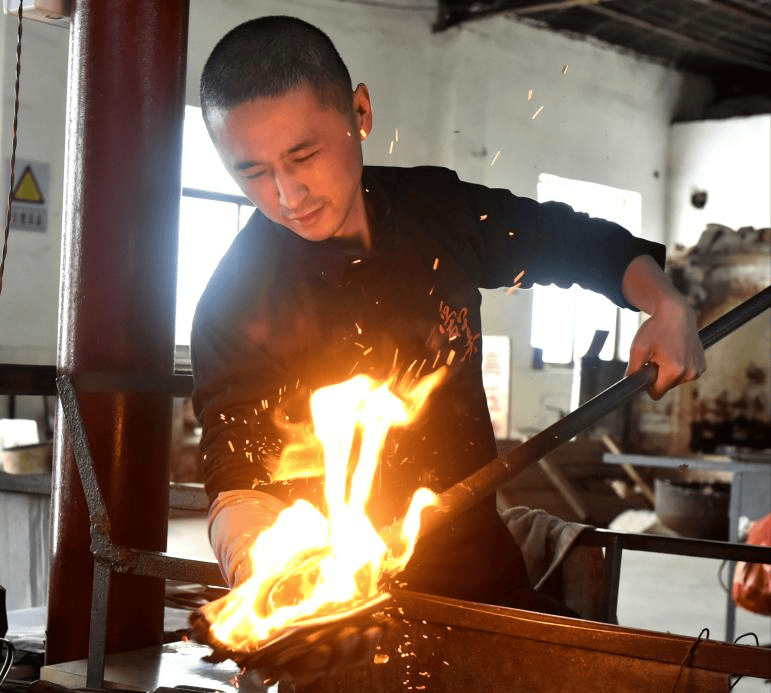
{"type": "Point", "coordinates": [736, 641]}
{"type": "Point", "coordinates": [10, 651]}
{"type": "Point", "coordinates": [13, 148]}
{"type": "Point", "coordinates": [703, 635]}
{"type": "Point", "coordinates": [723, 584]}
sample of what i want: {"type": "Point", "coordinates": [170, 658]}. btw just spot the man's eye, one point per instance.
{"type": "Point", "coordinates": [300, 159]}
{"type": "Point", "coordinates": [256, 174]}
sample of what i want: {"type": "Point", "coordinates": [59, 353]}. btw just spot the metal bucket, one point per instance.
{"type": "Point", "coordinates": [693, 509]}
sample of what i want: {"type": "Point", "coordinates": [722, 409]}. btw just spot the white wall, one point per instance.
{"type": "Point", "coordinates": [730, 160]}
{"type": "Point", "coordinates": [457, 98]}
{"type": "Point", "coordinates": [30, 297]}
{"type": "Point", "coordinates": [460, 96]}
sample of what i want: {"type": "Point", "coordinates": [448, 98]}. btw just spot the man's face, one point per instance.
{"type": "Point", "coordinates": [299, 161]}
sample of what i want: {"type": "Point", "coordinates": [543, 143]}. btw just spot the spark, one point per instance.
{"type": "Point", "coordinates": [565, 70]}
{"type": "Point", "coordinates": [436, 264]}
{"type": "Point", "coordinates": [495, 158]}
{"type": "Point", "coordinates": [431, 292]}
{"type": "Point", "coordinates": [483, 217]}
{"type": "Point", "coordinates": [529, 94]}
{"type": "Point", "coordinates": [450, 358]}
{"type": "Point", "coordinates": [396, 355]}
{"type": "Point", "coordinates": [537, 113]}
{"type": "Point", "coordinates": [230, 445]}
{"type": "Point", "coordinates": [358, 329]}
{"type": "Point", "coordinates": [436, 360]}
{"type": "Point", "coordinates": [356, 261]}
{"type": "Point", "coordinates": [412, 365]}
{"type": "Point", "coordinates": [381, 658]}
{"type": "Point", "coordinates": [512, 289]}
{"type": "Point", "coordinates": [361, 346]}
{"type": "Point", "coordinates": [366, 351]}
{"type": "Point", "coordinates": [363, 133]}
{"type": "Point", "coordinates": [519, 276]}
{"type": "Point", "coordinates": [511, 233]}
{"type": "Point", "coordinates": [396, 134]}
{"type": "Point", "coordinates": [391, 148]}
{"type": "Point", "coordinates": [348, 132]}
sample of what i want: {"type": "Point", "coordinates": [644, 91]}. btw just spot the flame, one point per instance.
{"type": "Point", "coordinates": [307, 564]}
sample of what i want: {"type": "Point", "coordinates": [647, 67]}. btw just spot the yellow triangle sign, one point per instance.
{"type": "Point", "coordinates": [28, 189]}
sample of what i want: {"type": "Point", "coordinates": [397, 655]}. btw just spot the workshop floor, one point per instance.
{"type": "Point", "coordinates": [677, 594]}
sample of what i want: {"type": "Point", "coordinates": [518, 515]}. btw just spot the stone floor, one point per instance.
{"type": "Point", "coordinates": [682, 595]}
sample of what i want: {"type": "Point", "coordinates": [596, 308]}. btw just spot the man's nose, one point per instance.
{"type": "Point", "coordinates": [291, 191]}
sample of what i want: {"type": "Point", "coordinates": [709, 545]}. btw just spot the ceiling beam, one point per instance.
{"type": "Point", "coordinates": [557, 5]}
{"type": "Point", "coordinates": [752, 17]}
{"type": "Point", "coordinates": [720, 53]}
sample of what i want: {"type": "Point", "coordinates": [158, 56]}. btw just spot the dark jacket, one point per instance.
{"type": "Point", "coordinates": [283, 316]}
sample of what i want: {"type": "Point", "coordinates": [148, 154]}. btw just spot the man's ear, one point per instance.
{"type": "Point", "coordinates": [362, 110]}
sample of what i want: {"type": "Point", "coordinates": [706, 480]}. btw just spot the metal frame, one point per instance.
{"type": "Point", "coordinates": [110, 557]}
{"type": "Point", "coordinates": [614, 544]}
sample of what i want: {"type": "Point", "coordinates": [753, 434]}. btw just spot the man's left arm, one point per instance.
{"type": "Point", "coordinates": [669, 338]}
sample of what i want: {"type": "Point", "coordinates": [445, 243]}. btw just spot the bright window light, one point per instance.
{"type": "Point", "coordinates": [565, 320]}
{"type": "Point", "coordinates": [212, 211]}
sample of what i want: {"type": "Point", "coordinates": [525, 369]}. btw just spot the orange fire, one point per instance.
{"type": "Point", "coordinates": [308, 565]}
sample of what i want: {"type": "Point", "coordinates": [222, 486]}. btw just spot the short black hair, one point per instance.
{"type": "Point", "coordinates": [269, 56]}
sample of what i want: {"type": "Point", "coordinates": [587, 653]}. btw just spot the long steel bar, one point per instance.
{"type": "Point", "coordinates": [97, 635]}
{"type": "Point", "coordinates": [678, 546]}
{"type": "Point", "coordinates": [463, 495]}
{"type": "Point", "coordinates": [81, 449]}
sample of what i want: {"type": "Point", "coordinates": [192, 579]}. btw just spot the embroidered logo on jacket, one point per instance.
{"type": "Point", "coordinates": [455, 325]}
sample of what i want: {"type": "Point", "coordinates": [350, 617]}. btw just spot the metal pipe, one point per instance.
{"type": "Point", "coordinates": [125, 105]}
{"type": "Point", "coordinates": [463, 495]}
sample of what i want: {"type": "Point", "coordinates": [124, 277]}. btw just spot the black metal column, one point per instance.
{"type": "Point", "coordinates": [118, 277]}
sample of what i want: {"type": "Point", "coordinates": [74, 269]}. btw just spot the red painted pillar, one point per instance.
{"type": "Point", "coordinates": [118, 277]}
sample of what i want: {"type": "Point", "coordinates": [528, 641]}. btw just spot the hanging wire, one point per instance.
{"type": "Point", "coordinates": [720, 579]}
{"type": "Point", "coordinates": [13, 149]}
{"type": "Point", "coordinates": [704, 635]}
{"type": "Point", "coordinates": [736, 641]}
{"type": "Point", "coordinates": [6, 666]}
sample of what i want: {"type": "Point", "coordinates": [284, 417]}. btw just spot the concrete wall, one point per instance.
{"type": "Point", "coordinates": [457, 98]}
{"type": "Point", "coordinates": [728, 159]}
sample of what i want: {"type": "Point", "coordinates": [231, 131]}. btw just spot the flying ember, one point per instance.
{"type": "Point", "coordinates": [309, 564]}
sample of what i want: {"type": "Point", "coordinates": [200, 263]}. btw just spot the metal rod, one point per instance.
{"type": "Point", "coordinates": [463, 495]}
{"type": "Point", "coordinates": [97, 639]}
{"type": "Point", "coordinates": [678, 546]}
{"type": "Point", "coordinates": [612, 577]}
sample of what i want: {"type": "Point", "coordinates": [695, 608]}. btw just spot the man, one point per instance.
{"type": "Point", "coordinates": [347, 269]}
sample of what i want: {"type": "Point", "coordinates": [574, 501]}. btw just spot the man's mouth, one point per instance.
{"type": "Point", "coordinates": [308, 217]}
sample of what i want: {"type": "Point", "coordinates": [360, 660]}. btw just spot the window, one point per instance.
{"type": "Point", "coordinates": [212, 211]}
{"type": "Point", "coordinates": [565, 320]}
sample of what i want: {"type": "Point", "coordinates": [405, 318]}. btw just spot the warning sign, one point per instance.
{"type": "Point", "coordinates": [28, 189]}
{"type": "Point", "coordinates": [30, 195]}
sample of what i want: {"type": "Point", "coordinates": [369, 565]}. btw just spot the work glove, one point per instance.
{"type": "Point", "coordinates": [236, 519]}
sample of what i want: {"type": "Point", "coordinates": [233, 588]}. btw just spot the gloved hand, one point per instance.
{"type": "Point", "coordinates": [236, 518]}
